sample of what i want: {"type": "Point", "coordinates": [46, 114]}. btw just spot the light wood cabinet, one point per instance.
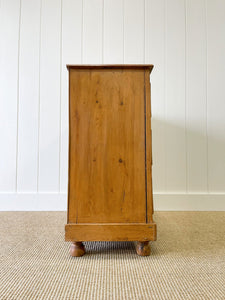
{"type": "Point", "coordinates": [110, 156]}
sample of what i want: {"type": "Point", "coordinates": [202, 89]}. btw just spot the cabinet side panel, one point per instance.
{"type": "Point", "coordinates": [107, 146]}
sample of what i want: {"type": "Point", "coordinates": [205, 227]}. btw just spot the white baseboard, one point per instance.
{"type": "Point", "coordinates": [33, 201]}
{"type": "Point", "coordinates": [162, 202]}
{"type": "Point", "coordinates": [189, 201]}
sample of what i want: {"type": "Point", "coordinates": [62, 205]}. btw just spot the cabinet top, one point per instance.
{"type": "Point", "coordinates": [122, 66]}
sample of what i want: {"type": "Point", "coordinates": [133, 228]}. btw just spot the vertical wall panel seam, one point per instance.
{"type": "Point", "coordinates": [165, 115]}
{"type": "Point", "coordinates": [103, 7]}
{"type": "Point", "coordinates": [185, 94]}
{"type": "Point", "coordinates": [60, 98]}
{"type": "Point", "coordinates": [82, 33]}
{"type": "Point", "coordinates": [39, 99]}
{"type": "Point", "coordinates": [18, 100]}
{"type": "Point", "coordinates": [206, 102]}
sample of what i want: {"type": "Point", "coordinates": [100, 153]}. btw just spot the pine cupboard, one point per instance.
{"type": "Point", "coordinates": [110, 156]}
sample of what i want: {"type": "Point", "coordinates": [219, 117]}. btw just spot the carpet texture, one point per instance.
{"type": "Point", "coordinates": [187, 261]}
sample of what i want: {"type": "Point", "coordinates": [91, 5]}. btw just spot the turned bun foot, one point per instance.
{"type": "Point", "coordinates": [77, 249]}
{"type": "Point", "coordinates": [143, 248]}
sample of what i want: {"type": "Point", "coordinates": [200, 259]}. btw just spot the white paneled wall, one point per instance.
{"type": "Point", "coordinates": [184, 39]}
{"type": "Point", "coordinates": [10, 21]}
{"type": "Point", "coordinates": [28, 96]}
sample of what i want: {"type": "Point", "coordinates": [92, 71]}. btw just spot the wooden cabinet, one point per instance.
{"type": "Point", "coordinates": [110, 156]}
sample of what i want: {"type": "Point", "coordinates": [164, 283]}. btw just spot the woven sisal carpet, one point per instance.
{"type": "Point", "coordinates": [187, 261]}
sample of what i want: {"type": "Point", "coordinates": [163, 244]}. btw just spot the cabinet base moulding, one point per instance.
{"type": "Point", "coordinates": [110, 232]}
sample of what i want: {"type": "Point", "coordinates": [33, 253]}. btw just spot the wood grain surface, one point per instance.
{"type": "Point", "coordinates": [107, 146]}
